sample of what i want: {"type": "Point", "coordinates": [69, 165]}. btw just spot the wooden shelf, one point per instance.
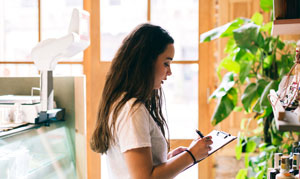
{"type": "Point", "coordinates": [284, 120]}
{"type": "Point", "coordinates": [290, 122]}
{"type": "Point", "coordinates": [286, 26]}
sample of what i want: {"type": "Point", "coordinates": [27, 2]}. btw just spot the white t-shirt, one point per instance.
{"type": "Point", "coordinates": [135, 128]}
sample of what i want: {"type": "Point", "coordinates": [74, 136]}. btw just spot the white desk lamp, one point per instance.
{"type": "Point", "coordinates": [47, 53]}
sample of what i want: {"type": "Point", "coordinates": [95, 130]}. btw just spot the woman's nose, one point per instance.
{"type": "Point", "coordinates": [169, 72]}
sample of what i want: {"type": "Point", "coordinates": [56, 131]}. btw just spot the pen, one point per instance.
{"type": "Point", "coordinates": [199, 133]}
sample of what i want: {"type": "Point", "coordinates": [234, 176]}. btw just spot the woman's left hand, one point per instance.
{"type": "Point", "coordinates": [176, 151]}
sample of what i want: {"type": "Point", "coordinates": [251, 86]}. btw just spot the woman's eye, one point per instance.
{"type": "Point", "coordinates": [166, 64]}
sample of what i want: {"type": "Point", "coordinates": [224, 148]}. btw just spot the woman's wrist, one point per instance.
{"type": "Point", "coordinates": [192, 156]}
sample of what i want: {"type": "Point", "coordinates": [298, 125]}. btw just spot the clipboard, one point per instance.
{"type": "Point", "coordinates": [220, 139]}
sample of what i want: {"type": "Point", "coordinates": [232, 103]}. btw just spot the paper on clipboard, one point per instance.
{"type": "Point", "coordinates": [220, 139]}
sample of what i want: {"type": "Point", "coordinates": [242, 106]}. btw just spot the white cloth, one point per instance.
{"type": "Point", "coordinates": [135, 128]}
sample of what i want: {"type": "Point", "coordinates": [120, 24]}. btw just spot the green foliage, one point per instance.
{"type": "Point", "coordinates": [252, 55]}
{"type": "Point", "coordinates": [266, 5]}
{"type": "Point", "coordinates": [255, 63]}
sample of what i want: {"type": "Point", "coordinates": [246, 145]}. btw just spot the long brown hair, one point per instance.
{"type": "Point", "coordinates": [132, 76]}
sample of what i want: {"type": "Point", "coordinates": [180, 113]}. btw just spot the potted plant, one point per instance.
{"type": "Point", "coordinates": [256, 62]}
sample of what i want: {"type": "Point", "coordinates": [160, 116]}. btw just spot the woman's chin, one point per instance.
{"type": "Point", "coordinates": [157, 86]}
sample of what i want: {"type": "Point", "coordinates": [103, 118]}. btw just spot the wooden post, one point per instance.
{"type": "Point", "coordinates": [91, 64]}
{"type": "Point", "coordinates": [206, 74]}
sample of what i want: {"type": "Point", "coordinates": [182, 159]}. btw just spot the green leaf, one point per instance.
{"type": "Point", "coordinates": [235, 24]}
{"type": "Point", "coordinates": [225, 106]}
{"type": "Point", "coordinates": [267, 27]}
{"type": "Point", "coordinates": [230, 65]}
{"type": "Point", "coordinates": [246, 160]}
{"type": "Point", "coordinates": [286, 146]}
{"type": "Point", "coordinates": [276, 139]}
{"type": "Point", "coordinates": [250, 146]}
{"type": "Point", "coordinates": [270, 149]}
{"type": "Point", "coordinates": [254, 160]}
{"type": "Point", "coordinates": [246, 37]}
{"type": "Point", "coordinates": [285, 64]}
{"type": "Point", "coordinates": [257, 108]}
{"type": "Point", "coordinates": [268, 61]}
{"type": "Point", "coordinates": [261, 86]}
{"type": "Point", "coordinates": [222, 31]}
{"type": "Point", "coordinates": [262, 155]}
{"type": "Point", "coordinates": [238, 151]}
{"type": "Point", "coordinates": [260, 122]}
{"type": "Point", "coordinates": [233, 96]}
{"type": "Point", "coordinates": [270, 45]}
{"type": "Point", "coordinates": [230, 45]}
{"type": "Point", "coordinates": [266, 5]}
{"type": "Point", "coordinates": [249, 97]}
{"type": "Point", "coordinates": [264, 112]}
{"type": "Point", "coordinates": [214, 33]}
{"type": "Point", "coordinates": [246, 67]}
{"type": "Point", "coordinates": [264, 101]}
{"type": "Point", "coordinates": [262, 164]}
{"type": "Point", "coordinates": [286, 134]}
{"type": "Point", "coordinates": [226, 84]}
{"type": "Point", "coordinates": [240, 55]}
{"type": "Point", "coordinates": [259, 175]}
{"type": "Point", "coordinates": [243, 123]}
{"type": "Point", "coordinates": [262, 146]}
{"type": "Point", "coordinates": [242, 174]}
{"type": "Point", "coordinates": [280, 44]}
{"type": "Point", "coordinates": [263, 105]}
{"type": "Point", "coordinates": [239, 146]}
{"type": "Point", "coordinates": [260, 40]}
{"type": "Point", "coordinates": [238, 109]}
{"type": "Point", "coordinates": [257, 18]}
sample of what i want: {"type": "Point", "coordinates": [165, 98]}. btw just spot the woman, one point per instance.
{"type": "Point", "coordinates": [130, 127]}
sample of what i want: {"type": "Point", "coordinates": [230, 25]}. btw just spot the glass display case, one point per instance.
{"type": "Point", "coordinates": [40, 152]}
{"type": "Point", "coordinates": [52, 150]}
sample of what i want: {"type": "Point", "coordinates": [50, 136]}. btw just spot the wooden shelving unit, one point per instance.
{"type": "Point", "coordinates": [286, 18]}
{"type": "Point", "coordinates": [286, 26]}
{"type": "Point", "coordinates": [286, 21]}
{"type": "Point", "coordinates": [289, 123]}
{"type": "Point", "coordinates": [284, 120]}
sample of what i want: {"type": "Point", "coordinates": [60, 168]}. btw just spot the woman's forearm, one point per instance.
{"type": "Point", "coordinates": [173, 166]}
{"type": "Point", "coordinates": [140, 165]}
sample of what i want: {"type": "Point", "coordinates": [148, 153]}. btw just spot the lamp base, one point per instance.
{"type": "Point", "coordinates": [50, 115]}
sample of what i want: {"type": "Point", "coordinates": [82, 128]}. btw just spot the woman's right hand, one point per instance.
{"type": "Point", "coordinates": [200, 147]}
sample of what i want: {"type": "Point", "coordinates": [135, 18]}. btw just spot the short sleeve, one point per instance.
{"type": "Point", "coordinates": [133, 128]}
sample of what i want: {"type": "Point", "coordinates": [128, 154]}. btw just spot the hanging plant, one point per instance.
{"type": "Point", "coordinates": [256, 62]}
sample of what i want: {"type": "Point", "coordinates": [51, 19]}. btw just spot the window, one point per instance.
{"type": "Point", "coordinates": [19, 33]}
{"type": "Point", "coordinates": [55, 19]}
{"type": "Point", "coordinates": [19, 29]}
{"type": "Point", "coordinates": [118, 18]}
{"type": "Point", "coordinates": [182, 111]}
{"type": "Point", "coordinates": [180, 18]}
